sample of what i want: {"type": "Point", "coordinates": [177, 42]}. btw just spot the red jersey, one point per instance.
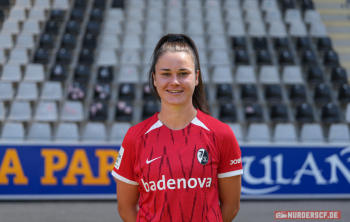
{"type": "Point", "coordinates": [177, 171]}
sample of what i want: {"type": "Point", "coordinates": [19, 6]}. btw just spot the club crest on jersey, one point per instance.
{"type": "Point", "coordinates": [202, 156]}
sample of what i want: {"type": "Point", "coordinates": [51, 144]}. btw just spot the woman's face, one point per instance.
{"type": "Point", "coordinates": [175, 78]}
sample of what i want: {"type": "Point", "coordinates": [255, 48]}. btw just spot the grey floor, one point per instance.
{"type": "Point", "coordinates": [62, 211]}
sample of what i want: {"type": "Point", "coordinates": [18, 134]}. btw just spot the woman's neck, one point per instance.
{"type": "Point", "coordinates": [177, 118]}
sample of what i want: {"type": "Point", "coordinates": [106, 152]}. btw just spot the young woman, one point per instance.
{"type": "Point", "coordinates": [178, 164]}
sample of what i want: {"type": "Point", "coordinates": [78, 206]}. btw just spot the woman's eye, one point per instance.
{"type": "Point", "coordinates": [184, 73]}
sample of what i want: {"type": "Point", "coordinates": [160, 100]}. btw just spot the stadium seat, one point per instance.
{"type": "Point", "coordinates": [77, 14]}
{"type": "Point", "coordinates": [6, 41]}
{"type": "Point", "coordinates": [10, 27]}
{"type": "Point", "coordinates": [269, 75]}
{"type": "Point", "coordinates": [249, 93]}
{"type": "Point", "coordinates": [219, 30]}
{"type": "Point", "coordinates": [250, 4]}
{"type": "Point", "coordinates": [297, 93]}
{"type": "Point", "coordinates": [322, 93]}
{"type": "Point", "coordinates": [20, 111]}
{"type": "Point", "coordinates": [174, 26]}
{"type": "Point", "coordinates": [285, 132]}
{"type": "Point", "coordinates": [68, 41]}
{"type": "Point", "coordinates": [39, 132]}
{"type": "Point", "coordinates": [2, 111]}
{"type": "Point", "coordinates": [13, 131]}
{"type": "Point", "coordinates": [324, 44]}
{"type": "Point", "coordinates": [130, 57]}
{"type": "Point", "coordinates": [82, 73]}
{"type": "Point", "coordinates": [224, 92]}
{"type": "Point", "coordinates": [263, 57]}
{"type": "Point", "coordinates": [343, 93]}
{"type": "Point", "coordinates": [87, 56]}
{"type": "Point", "coordinates": [239, 42]}
{"type": "Point", "coordinates": [46, 111]}
{"type": "Point", "coordinates": [330, 113]}
{"type": "Point", "coordinates": [147, 93]}
{"type": "Point", "coordinates": [46, 4]}
{"type": "Point", "coordinates": [128, 74]}
{"type": "Point", "coordinates": [154, 26]}
{"type": "Point", "coordinates": [149, 109]}
{"type": "Point", "coordinates": [124, 111]}
{"type": "Point", "coordinates": [311, 132]}
{"type": "Point", "coordinates": [339, 132]}
{"type": "Point", "coordinates": [25, 41]}
{"type": "Point", "coordinates": [67, 132]}
{"type": "Point", "coordinates": [236, 29]}
{"type": "Point", "coordinates": [339, 76]}
{"type": "Point", "coordinates": [292, 15]}
{"type": "Point", "coordinates": [297, 29]}
{"type": "Point", "coordinates": [258, 132]}
{"type": "Point", "coordinates": [304, 113]}
{"type": "Point", "coordinates": [72, 111]}
{"type": "Point", "coordinates": [90, 40]}
{"type": "Point", "coordinates": [73, 27]}
{"type": "Point", "coordinates": [107, 57]}
{"type": "Point", "coordinates": [6, 91]}
{"type": "Point", "coordinates": [112, 27]}
{"type": "Point", "coordinates": [77, 91]}
{"type": "Point", "coordinates": [281, 43]}
{"type": "Point", "coordinates": [331, 59]}
{"type": "Point", "coordinates": [245, 75]}
{"type": "Point", "coordinates": [273, 93]}
{"type": "Point", "coordinates": [52, 27]}
{"type": "Point", "coordinates": [11, 73]}
{"type": "Point", "coordinates": [227, 113]}
{"type": "Point", "coordinates": [37, 13]}
{"type": "Point", "coordinates": [102, 91]}
{"type": "Point", "coordinates": [292, 75]}
{"type": "Point", "coordinates": [253, 112]}
{"type": "Point", "coordinates": [315, 75]}
{"type": "Point", "coordinates": [277, 29]}
{"type": "Point", "coordinates": [17, 14]}
{"type": "Point", "coordinates": [34, 73]}
{"type": "Point", "coordinates": [51, 91]}
{"type": "Point", "coordinates": [347, 113]}
{"type": "Point", "coordinates": [308, 57]}
{"type": "Point", "coordinates": [126, 91]}
{"type": "Point", "coordinates": [286, 57]}
{"type": "Point", "coordinates": [58, 73]}
{"type": "Point", "coordinates": [318, 29]}
{"type": "Point", "coordinates": [18, 56]}
{"type": "Point", "coordinates": [93, 27]}
{"type": "Point", "coordinates": [151, 40]}
{"type": "Point", "coordinates": [241, 57]}
{"type": "Point", "coordinates": [252, 14]}
{"type": "Point", "coordinates": [41, 56]}
{"type": "Point", "coordinates": [279, 113]}
{"type": "Point", "coordinates": [110, 41]}
{"type": "Point", "coordinates": [105, 74]}
{"type": "Point", "coordinates": [259, 43]}
{"type": "Point", "coordinates": [222, 74]}
{"type": "Point", "coordinates": [98, 111]}
{"type": "Point", "coordinates": [118, 132]}
{"type": "Point", "coordinates": [96, 15]}
{"type": "Point", "coordinates": [256, 28]}
{"type": "Point", "coordinates": [22, 3]}
{"type": "Point", "coordinates": [64, 56]}
{"type": "Point", "coordinates": [27, 91]}
{"type": "Point", "coordinates": [131, 41]}
{"type": "Point", "coordinates": [57, 14]}
{"type": "Point", "coordinates": [219, 57]}
{"type": "Point", "coordinates": [195, 27]}
{"type": "Point", "coordinates": [2, 57]}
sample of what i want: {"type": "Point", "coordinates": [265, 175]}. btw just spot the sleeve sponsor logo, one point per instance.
{"type": "Point", "coordinates": [236, 161]}
{"type": "Point", "coordinates": [119, 158]}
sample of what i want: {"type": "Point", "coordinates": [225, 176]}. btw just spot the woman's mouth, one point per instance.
{"type": "Point", "coordinates": [174, 92]}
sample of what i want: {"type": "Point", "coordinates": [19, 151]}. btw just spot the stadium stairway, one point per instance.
{"type": "Point", "coordinates": [335, 15]}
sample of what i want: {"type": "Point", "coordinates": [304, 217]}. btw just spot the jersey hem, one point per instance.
{"type": "Point", "coordinates": [117, 176]}
{"type": "Point", "coordinates": [230, 174]}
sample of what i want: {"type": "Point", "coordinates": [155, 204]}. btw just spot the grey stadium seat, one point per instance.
{"type": "Point", "coordinates": [51, 91]}
{"type": "Point", "coordinates": [347, 113]}
{"type": "Point", "coordinates": [311, 132]}
{"type": "Point", "coordinates": [236, 28]}
{"type": "Point", "coordinates": [10, 27]}
{"type": "Point", "coordinates": [135, 14]}
{"type": "Point", "coordinates": [112, 27]}
{"type": "Point", "coordinates": [31, 27]}
{"type": "Point", "coordinates": [216, 28]}
{"type": "Point", "coordinates": [258, 132]}
{"type": "Point", "coordinates": [130, 57]}
{"type": "Point", "coordinates": [46, 111]}
{"type": "Point", "coordinates": [217, 42]}
{"type": "Point", "coordinates": [219, 57]}
{"type": "Point", "coordinates": [222, 74]}
{"type": "Point", "coordinates": [107, 57]}
{"type": "Point", "coordinates": [20, 111]}
{"type": "Point", "coordinates": [118, 131]}
{"type": "Point", "coordinates": [245, 75]}
{"type": "Point", "coordinates": [285, 132]}
{"type": "Point", "coordinates": [60, 4]}
{"type": "Point", "coordinates": [27, 91]}
{"type": "Point", "coordinates": [40, 132]}
{"type": "Point", "coordinates": [297, 29]}
{"type": "Point", "coordinates": [195, 27]}
{"type": "Point", "coordinates": [174, 27]}
{"type": "Point", "coordinates": [339, 132]}
{"type": "Point", "coordinates": [23, 3]}
{"type": "Point", "coordinates": [116, 14]}
{"type": "Point", "coordinates": [128, 74]}
{"type": "Point", "coordinates": [233, 14]}
{"type": "Point", "coordinates": [2, 57]}
{"type": "Point", "coordinates": [131, 41]}
{"type": "Point", "coordinates": [2, 111]}
{"type": "Point", "coordinates": [17, 14]}
{"type": "Point", "coordinates": [94, 132]}
{"type": "Point", "coordinates": [133, 27]}
{"type": "Point", "coordinates": [110, 41]}
{"type": "Point", "coordinates": [153, 14]}
{"type": "Point", "coordinates": [67, 132]}
{"type": "Point", "coordinates": [256, 29]}
{"type": "Point", "coordinates": [269, 75]}
{"type": "Point", "coordinates": [292, 15]}
{"type": "Point", "coordinates": [6, 91]}
{"type": "Point", "coordinates": [72, 111]}
{"type": "Point", "coordinates": [292, 75]}
{"type": "Point", "coordinates": [12, 131]}
{"type": "Point", "coordinates": [6, 41]}
{"type": "Point", "coordinates": [154, 26]}
{"type": "Point", "coordinates": [35, 73]}
{"type": "Point", "coordinates": [37, 13]}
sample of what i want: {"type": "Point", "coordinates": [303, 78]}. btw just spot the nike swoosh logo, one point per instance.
{"type": "Point", "coordinates": [148, 161]}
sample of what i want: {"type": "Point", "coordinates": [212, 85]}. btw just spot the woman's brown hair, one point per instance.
{"type": "Point", "coordinates": [180, 43]}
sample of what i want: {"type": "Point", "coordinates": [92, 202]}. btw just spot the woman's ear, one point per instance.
{"type": "Point", "coordinates": [197, 77]}
{"type": "Point", "coordinates": [154, 79]}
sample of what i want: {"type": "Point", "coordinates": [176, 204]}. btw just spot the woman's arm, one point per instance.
{"type": "Point", "coordinates": [128, 197]}
{"type": "Point", "coordinates": [229, 196]}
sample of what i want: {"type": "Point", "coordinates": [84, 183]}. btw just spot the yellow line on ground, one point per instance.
{"type": "Point", "coordinates": [337, 23]}
{"type": "Point", "coordinates": [343, 50]}
{"type": "Point", "coordinates": [339, 36]}
{"type": "Point", "coordinates": [334, 11]}
{"type": "Point", "coordinates": [330, 1]}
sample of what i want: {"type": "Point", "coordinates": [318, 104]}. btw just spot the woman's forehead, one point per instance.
{"type": "Point", "coordinates": [175, 60]}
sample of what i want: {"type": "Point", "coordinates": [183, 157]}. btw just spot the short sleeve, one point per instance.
{"type": "Point", "coordinates": [230, 156]}
{"type": "Point", "coordinates": [124, 165]}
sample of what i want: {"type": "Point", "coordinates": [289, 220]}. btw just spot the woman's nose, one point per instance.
{"type": "Point", "coordinates": [175, 80]}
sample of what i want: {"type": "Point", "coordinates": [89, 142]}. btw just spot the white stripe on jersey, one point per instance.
{"type": "Point", "coordinates": [117, 176]}
{"type": "Point", "coordinates": [155, 126]}
{"type": "Point", "coordinates": [230, 174]}
{"type": "Point", "coordinates": [197, 122]}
